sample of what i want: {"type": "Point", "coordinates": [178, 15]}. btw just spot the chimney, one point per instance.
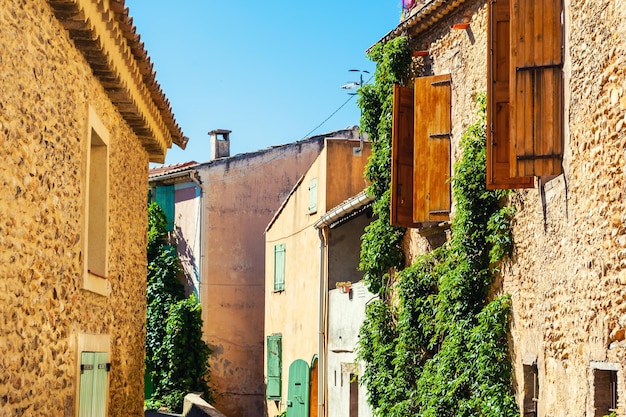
{"type": "Point", "coordinates": [220, 143]}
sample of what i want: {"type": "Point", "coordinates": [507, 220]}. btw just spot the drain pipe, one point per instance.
{"type": "Point", "coordinates": [321, 379]}
{"type": "Point", "coordinates": [196, 179]}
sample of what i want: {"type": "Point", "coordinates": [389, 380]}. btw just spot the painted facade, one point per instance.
{"type": "Point", "coordinates": [566, 277]}
{"type": "Point", "coordinates": [297, 279]}
{"type": "Point", "coordinates": [220, 210]}
{"type": "Point", "coordinates": [81, 116]}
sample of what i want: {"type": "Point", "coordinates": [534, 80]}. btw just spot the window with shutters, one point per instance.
{"type": "Point", "coordinates": [420, 187]}
{"type": "Point", "coordinates": [97, 207]}
{"type": "Point", "coordinates": [164, 197]}
{"type": "Point", "coordinates": [92, 397]}
{"type": "Point", "coordinates": [524, 94]}
{"type": "Point", "coordinates": [274, 367]}
{"type": "Point", "coordinates": [313, 196]}
{"type": "Point", "coordinates": [279, 267]}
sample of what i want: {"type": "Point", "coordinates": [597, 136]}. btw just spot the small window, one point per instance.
{"type": "Point", "coordinates": [274, 366]}
{"type": "Point", "coordinates": [279, 267]}
{"type": "Point", "coordinates": [97, 207]}
{"type": "Point", "coordinates": [531, 390]}
{"type": "Point", "coordinates": [94, 367]}
{"type": "Point", "coordinates": [605, 391]}
{"type": "Point", "coordinates": [313, 196]}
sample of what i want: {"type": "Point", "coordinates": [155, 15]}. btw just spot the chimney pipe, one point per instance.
{"type": "Point", "coordinates": [220, 143]}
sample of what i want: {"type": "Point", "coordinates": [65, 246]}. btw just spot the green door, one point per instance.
{"type": "Point", "coordinates": [298, 390]}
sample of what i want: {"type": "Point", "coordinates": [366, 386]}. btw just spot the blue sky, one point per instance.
{"type": "Point", "coordinates": [269, 71]}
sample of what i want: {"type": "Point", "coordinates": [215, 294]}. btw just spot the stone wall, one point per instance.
{"type": "Point", "coordinates": [46, 89]}
{"type": "Point", "coordinates": [567, 277]}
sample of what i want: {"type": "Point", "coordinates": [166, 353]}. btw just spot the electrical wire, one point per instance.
{"type": "Point", "coordinates": [335, 112]}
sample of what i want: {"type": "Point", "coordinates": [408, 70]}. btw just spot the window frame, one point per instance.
{"type": "Point", "coordinates": [96, 200]}
{"type": "Point", "coordinates": [92, 343]}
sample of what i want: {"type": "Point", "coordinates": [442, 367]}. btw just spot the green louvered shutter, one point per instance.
{"type": "Point", "coordinates": [165, 199]}
{"type": "Point", "coordinates": [279, 267]}
{"type": "Point", "coordinates": [93, 384]}
{"type": "Point", "coordinates": [274, 366]}
{"type": "Point", "coordinates": [313, 196]}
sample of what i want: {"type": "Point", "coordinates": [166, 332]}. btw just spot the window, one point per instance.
{"type": "Point", "coordinates": [97, 207]}
{"type": "Point", "coordinates": [279, 267]}
{"type": "Point", "coordinates": [421, 135]}
{"type": "Point", "coordinates": [531, 390]}
{"type": "Point", "coordinates": [313, 196]}
{"type": "Point", "coordinates": [524, 97]}
{"type": "Point", "coordinates": [605, 391]}
{"type": "Point", "coordinates": [165, 199]}
{"type": "Point", "coordinates": [94, 367]}
{"type": "Point", "coordinates": [274, 366]}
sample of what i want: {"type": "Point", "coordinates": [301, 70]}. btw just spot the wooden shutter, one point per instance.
{"type": "Point", "coordinates": [279, 267]}
{"type": "Point", "coordinates": [274, 366]}
{"type": "Point", "coordinates": [165, 199]}
{"type": "Point", "coordinates": [402, 158]}
{"type": "Point", "coordinates": [313, 196]}
{"type": "Point", "coordinates": [431, 151]}
{"type": "Point", "coordinates": [498, 73]}
{"type": "Point", "coordinates": [536, 87]}
{"type": "Point", "coordinates": [94, 367]}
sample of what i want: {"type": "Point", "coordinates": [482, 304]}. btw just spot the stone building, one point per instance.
{"type": "Point", "coordinates": [81, 117]}
{"type": "Point", "coordinates": [555, 76]}
{"type": "Point", "coordinates": [218, 211]}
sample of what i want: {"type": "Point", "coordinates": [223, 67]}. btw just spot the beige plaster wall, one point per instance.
{"type": "Point", "coordinates": [294, 312]}
{"type": "Point", "coordinates": [46, 89]}
{"type": "Point", "coordinates": [568, 275]}
{"type": "Point", "coordinates": [241, 194]}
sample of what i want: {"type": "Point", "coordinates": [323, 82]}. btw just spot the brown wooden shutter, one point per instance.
{"type": "Point", "coordinates": [498, 134]}
{"type": "Point", "coordinates": [431, 153]}
{"type": "Point", "coordinates": [402, 158]}
{"type": "Point", "coordinates": [536, 87]}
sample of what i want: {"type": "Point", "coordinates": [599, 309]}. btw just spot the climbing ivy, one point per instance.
{"type": "Point", "coordinates": [433, 343]}
{"type": "Point", "coordinates": [176, 356]}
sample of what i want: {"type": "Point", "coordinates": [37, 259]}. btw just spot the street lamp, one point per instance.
{"type": "Point", "coordinates": [351, 85]}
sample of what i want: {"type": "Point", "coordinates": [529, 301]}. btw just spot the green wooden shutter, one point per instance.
{"type": "Point", "coordinates": [279, 267]}
{"type": "Point", "coordinates": [93, 384]}
{"type": "Point", "coordinates": [274, 366]}
{"type": "Point", "coordinates": [85, 396]}
{"type": "Point", "coordinates": [100, 384]}
{"type": "Point", "coordinates": [165, 199]}
{"type": "Point", "coordinates": [313, 196]}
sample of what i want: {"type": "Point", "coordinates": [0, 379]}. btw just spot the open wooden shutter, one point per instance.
{"type": "Point", "coordinates": [431, 151]}
{"type": "Point", "coordinates": [402, 158]}
{"type": "Point", "coordinates": [274, 366]}
{"type": "Point", "coordinates": [165, 199]}
{"type": "Point", "coordinates": [498, 73]}
{"type": "Point", "coordinates": [536, 88]}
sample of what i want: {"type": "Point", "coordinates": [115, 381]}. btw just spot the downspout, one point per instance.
{"type": "Point", "coordinates": [194, 177]}
{"type": "Point", "coordinates": [321, 380]}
